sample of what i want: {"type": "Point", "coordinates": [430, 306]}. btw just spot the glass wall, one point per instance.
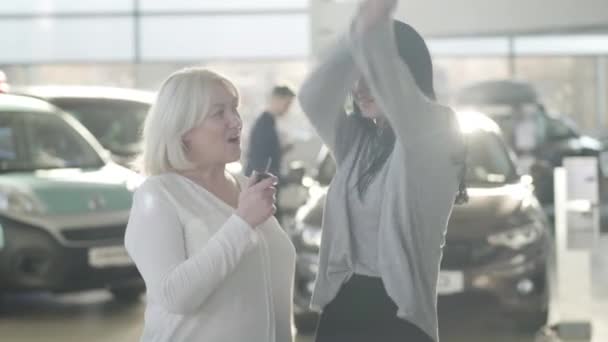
{"type": "Point", "coordinates": [65, 31]}
{"type": "Point", "coordinates": [259, 43]}
{"type": "Point", "coordinates": [567, 85]}
{"type": "Point", "coordinates": [138, 43]}
{"type": "Point", "coordinates": [253, 78]}
{"type": "Point", "coordinates": [568, 71]}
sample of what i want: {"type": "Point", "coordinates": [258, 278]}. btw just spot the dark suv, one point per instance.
{"type": "Point", "coordinates": [499, 243]}
{"type": "Point", "coordinates": [548, 140]}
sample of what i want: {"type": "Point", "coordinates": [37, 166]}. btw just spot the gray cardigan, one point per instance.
{"type": "Point", "coordinates": [421, 183]}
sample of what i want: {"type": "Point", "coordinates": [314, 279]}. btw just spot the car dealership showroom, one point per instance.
{"type": "Point", "coordinates": [115, 224]}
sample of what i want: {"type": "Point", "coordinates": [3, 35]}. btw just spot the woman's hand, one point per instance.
{"type": "Point", "coordinates": [372, 12]}
{"type": "Point", "coordinates": [257, 201]}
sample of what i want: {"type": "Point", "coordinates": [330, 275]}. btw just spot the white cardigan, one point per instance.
{"type": "Point", "coordinates": [209, 275]}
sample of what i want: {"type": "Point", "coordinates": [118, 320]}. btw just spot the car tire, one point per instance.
{"type": "Point", "coordinates": [306, 323]}
{"type": "Point", "coordinates": [127, 294]}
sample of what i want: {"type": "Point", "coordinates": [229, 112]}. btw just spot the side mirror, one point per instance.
{"type": "Point", "coordinates": [296, 173]}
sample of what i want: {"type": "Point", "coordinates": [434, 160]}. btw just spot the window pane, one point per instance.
{"type": "Point", "coordinates": [451, 74]}
{"type": "Point", "coordinates": [240, 37]}
{"type": "Point", "coordinates": [568, 45]}
{"type": "Point", "coordinates": [117, 125]}
{"type": "Point", "coordinates": [11, 149]}
{"type": "Point", "coordinates": [64, 6]}
{"type": "Point", "coordinates": [109, 74]}
{"type": "Point", "coordinates": [567, 85]}
{"type": "Point", "coordinates": [59, 40]}
{"type": "Point", "coordinates": [8, 150]}
{"type": "Point", "coordinates": [469, 47]}
{"type": "Point", "coordinates": [181, 5]}
{"type": "Point", "coordinates": [55, 144]}
{"type": "Point", "coordinates": [488, 160]}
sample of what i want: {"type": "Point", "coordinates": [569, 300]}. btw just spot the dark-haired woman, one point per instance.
{"type": "Point", "coordinates": [400, 159]}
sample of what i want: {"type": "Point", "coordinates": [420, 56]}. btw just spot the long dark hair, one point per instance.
{"type": "Point", "coordinates": [378, 142]}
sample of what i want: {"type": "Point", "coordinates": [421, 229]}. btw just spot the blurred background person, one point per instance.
{"type": "Point", "coordinates": [265, 141]}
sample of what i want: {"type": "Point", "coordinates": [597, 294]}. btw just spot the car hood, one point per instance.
{"type": "Point", "coordinates": [488, 210]}
{"type": "Point", "coordinates": [73, 191]}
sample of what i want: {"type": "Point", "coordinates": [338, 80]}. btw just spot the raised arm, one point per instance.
{"type": "Point", "coordinates": [324, 92]}
{"type": "Point", "coordinates": [375, 52]}
{"type": "Point", "coordinates": [154, 240]}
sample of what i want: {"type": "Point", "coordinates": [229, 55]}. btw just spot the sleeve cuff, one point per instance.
{"type": "Point", "coordinates": [243, 230]}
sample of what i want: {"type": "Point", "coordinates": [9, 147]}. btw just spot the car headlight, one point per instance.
{"type": "Point", "coordinates": [517, 238]}
{"type": "Point", "coordinates": [311, 236]}
{"type": "Point", "coordinates": [13, 201]}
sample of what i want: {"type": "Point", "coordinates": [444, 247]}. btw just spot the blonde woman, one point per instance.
{"type": "Point", "coordinates": [216, 264]}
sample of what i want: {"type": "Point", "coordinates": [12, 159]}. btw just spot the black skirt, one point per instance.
{"type": "Point", "coordinates": [363, 312]}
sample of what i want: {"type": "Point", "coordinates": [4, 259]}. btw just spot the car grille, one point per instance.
{"type": "Point", "coordinates": [459, 255]}
{"type": "Point", "coordinates": [108, 233]}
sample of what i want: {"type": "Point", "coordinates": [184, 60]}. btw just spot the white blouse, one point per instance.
{"type": "Point", "coordinates": [209, 275]}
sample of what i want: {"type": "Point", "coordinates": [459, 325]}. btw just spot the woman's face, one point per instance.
{"type": "Point", "coordinates": [217, 139]}
{"type": "Point", "coordinates": [365, 100]}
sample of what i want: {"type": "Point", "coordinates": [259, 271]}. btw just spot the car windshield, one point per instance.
{"type": "Point", "coordinates": [488, 160]}
{"type": "Point", "coordinates": [488, 164]}
{"type": "Point", "coordinates": [116, 124]}
{"type": "Point", "coordinates": [33, 141]}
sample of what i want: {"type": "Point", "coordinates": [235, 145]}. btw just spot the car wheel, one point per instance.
{"type": "Point", "coordinates": [127, 294]}
{"type": "Point", "coordinates": [306, 323]}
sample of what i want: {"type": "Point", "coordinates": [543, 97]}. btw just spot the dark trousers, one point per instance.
{"type": "Point", "coordinates": [363, 312]}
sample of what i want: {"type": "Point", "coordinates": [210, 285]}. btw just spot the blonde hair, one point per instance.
{"type": "Point", "coordinates": [182, 103]}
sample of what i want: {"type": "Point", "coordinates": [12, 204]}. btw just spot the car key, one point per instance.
{"type": "Point", "coordinates": [261, 175]}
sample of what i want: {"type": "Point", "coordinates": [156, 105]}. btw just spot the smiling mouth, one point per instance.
{"type": "Point", "coordinates": [235, 140]}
